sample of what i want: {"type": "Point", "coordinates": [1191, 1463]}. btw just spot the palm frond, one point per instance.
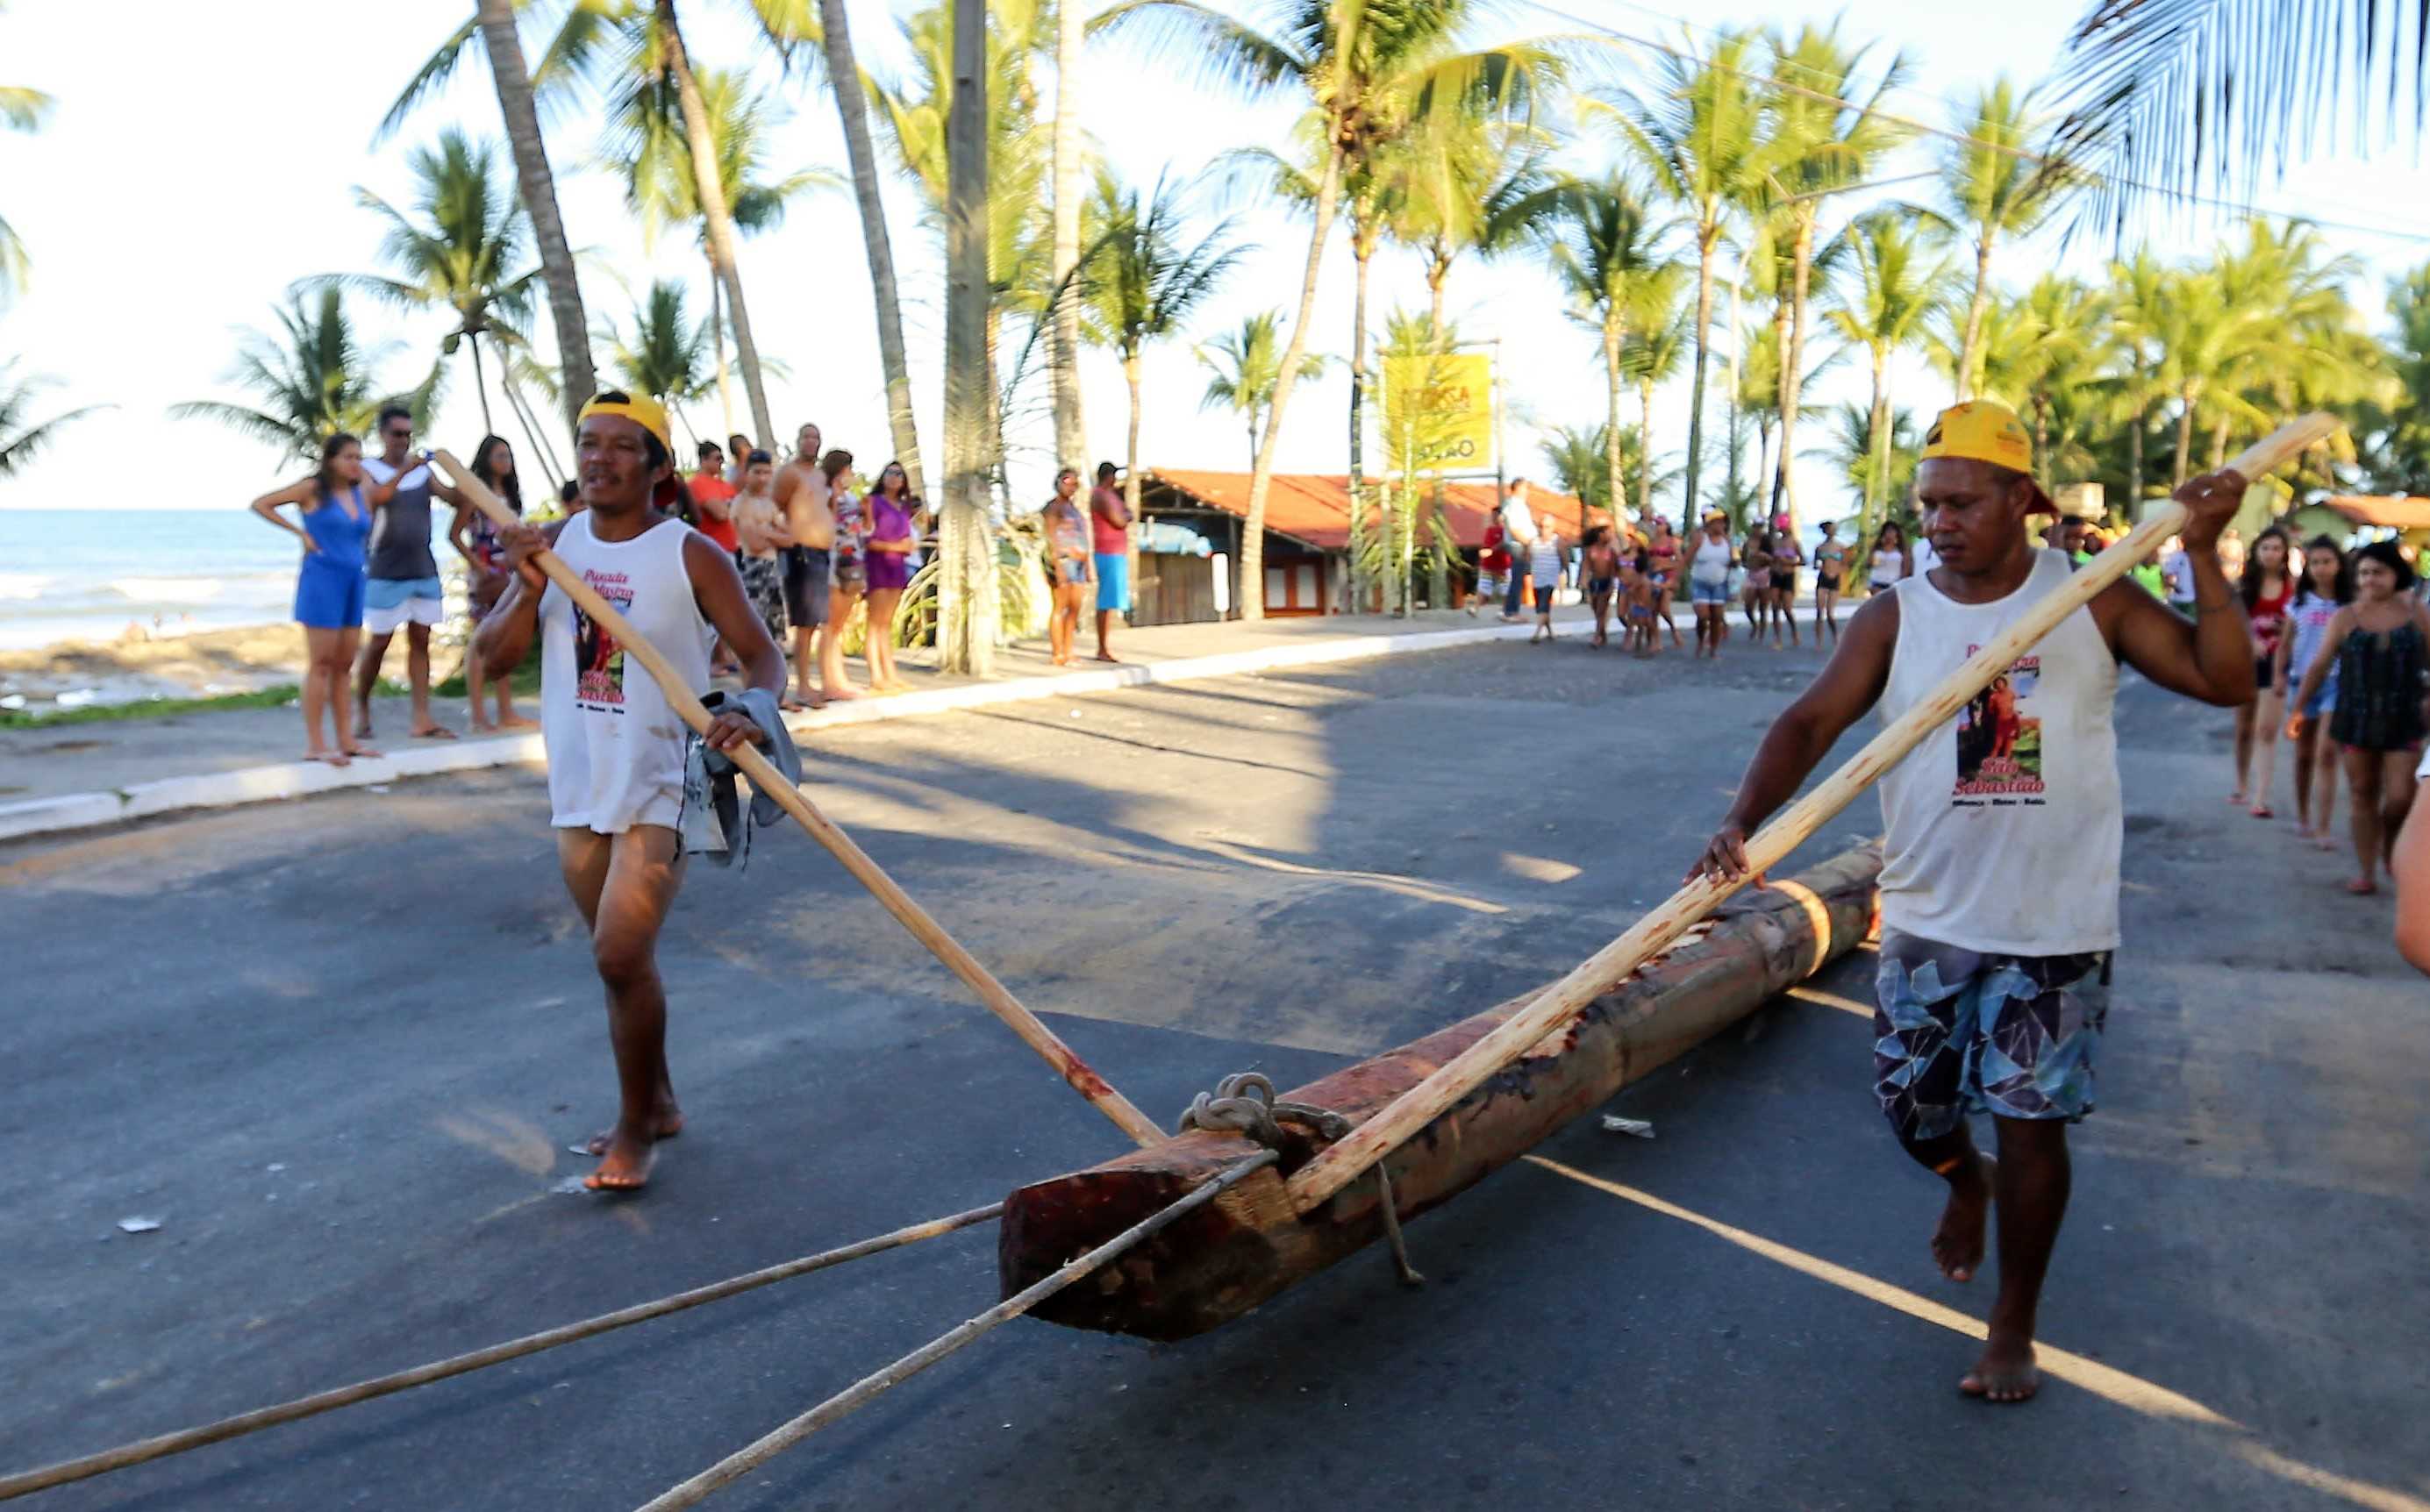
{"type": "Point", "coordinates": [432, 76]}
{"type": "Point", "coordinates": [1217, 49]}
{"type": "Point", "coordinates": [23, 110]}
{"type": "Point", "coordinates": [2168, 98]}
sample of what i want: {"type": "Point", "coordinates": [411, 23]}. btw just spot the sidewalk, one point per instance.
{"type": "Point", "coordinates": [76, 777]}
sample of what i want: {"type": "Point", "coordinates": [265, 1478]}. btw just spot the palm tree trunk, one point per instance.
{"type": "Point", "coordinates": [1645, 448]}
{"type": "Point", "coordinates": [1704, 244]}
{"type": "Point", "coordinates": [1130, 453]}
{"type": "Point", "coordinates": [844, 78]}
{"type": "Point", "coordinates": [2134, 453]}
{"type": "Point", "coordinates": [967, 602]}
{"type": "Point", "coordinates": [724, 384]}
{"type": "Point", "coordinates": [539, 189]}
{"type": "Point", "coordinates": [710, 187]}
{"type": "Point", "coordinates": [1877, 478]}
{"type": "Point", "coordinates": [1252, 597]}
{"type": "Point", "coordinates": [1786, 386]}
{"type": "Point", "coordinates": [1615, 481]}
{"type": "Point", "coordinates": [1363, 252]}
{"type": "Point", "coordinates": [2185, 436]}
{"type": "Point", "coordinates": [534, 436]}
{"type": "Point", "coordinates": [1971, 349]}
{"type": "Point", "coordinates": [2041, 438]}
{"type": "Point", "coordinates": [480, 385]}
{"type": "Point", "coordinates": [2219, 446]}
{"type": "Point", "coordinates": [1792, 370]}
{"type": "Point", "coordinates": [1063, 350]}
{"type": "Point", "coordinates": [1738, 373]}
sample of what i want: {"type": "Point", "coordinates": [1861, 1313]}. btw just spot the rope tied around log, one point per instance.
{"type": "Point", "coordinates": [1244, 1103]}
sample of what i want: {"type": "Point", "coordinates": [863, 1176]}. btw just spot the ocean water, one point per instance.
{"type": "Point", "coordinates": [86, 574]}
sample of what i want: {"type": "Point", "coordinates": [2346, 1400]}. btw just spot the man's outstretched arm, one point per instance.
{"type": "Point", "coordinates": [1849, 685]}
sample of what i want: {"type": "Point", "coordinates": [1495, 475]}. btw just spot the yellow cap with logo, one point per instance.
{"type": "Point", "coordinates": [641, 410]}
{"type": "Point", "coordinates": [1981, 430]}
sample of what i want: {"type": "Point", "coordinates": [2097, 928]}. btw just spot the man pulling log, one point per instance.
{"type": "Point", "coordinates": [615, 743]}
{"type": "Point", "coordinates": [1999, 883]}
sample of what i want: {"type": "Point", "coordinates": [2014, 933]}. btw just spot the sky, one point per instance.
{"type": "Point", "coordinates": [194, 170]}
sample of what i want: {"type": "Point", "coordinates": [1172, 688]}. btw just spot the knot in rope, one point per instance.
{"type": "Point", "coordinates": [1244, 1103]}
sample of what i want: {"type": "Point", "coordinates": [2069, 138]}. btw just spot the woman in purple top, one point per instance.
{"type": "Point", "coordinates": [891, 542]}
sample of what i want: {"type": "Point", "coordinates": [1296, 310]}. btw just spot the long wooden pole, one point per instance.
{"type": "Point", "coordinates": [1346, 1161]}
{"type": "Point", "coordinates": [767, 779]}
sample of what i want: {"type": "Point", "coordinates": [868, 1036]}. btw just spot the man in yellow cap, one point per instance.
{"type": "Point", "coordinates": [616, 757]}
{"type": "Point", "coordinates": [1999, 884]}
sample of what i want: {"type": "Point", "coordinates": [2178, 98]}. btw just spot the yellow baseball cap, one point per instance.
{"type": "Point", "coordinates": [1982, 430]}
{"type": "Point", "coordinates": [640, 409]}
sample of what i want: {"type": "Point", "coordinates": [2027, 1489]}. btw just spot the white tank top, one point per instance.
{"type": "Point", "coordinates": [615, 747]}
{"type": "Point", "coordinates": [2005, 824]}
{"type": "Point", "coordinates": [1711, 564]}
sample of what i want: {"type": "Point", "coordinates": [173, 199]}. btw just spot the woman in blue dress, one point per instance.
{"type": "Point", "coordinates": [329, 586]}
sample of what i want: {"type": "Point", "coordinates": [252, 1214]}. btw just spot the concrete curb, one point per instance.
{"type": "Point", "coordinates": [299, 779]}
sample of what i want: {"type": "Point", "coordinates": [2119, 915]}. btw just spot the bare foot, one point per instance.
{"type": "Point", "coordinates": [2236, 797]}
{"type": "Point", "coordinates": [2326, 843]}
{"type": "Point", "coordinates": [335, 758]}
{"type": "Point", "coordinates": [359, 749]}
{"type": "Point", "coordinates": [628, 1165]}
{"type": "Point", "coordinates": [481, 726]}
{"type": "Point", "coordinates": [433, 731]}
{"type": "Point", "coordinates": [2005, 1372]}
{"type": "Point", "coordinates": [516, 722]}
{"type": "Point", "coordinates": [841, 692]}
{"type": "Point", "coordinates": [2263, 811]}
{"type": "Point", "coordinates": [1107, 657]}
{"type": "Point", "coordinates": [790, 706]}
{"type": "Point", "coordinates": [2361, 886]}
{"type": "Point", "coordinates": [1958, 1243]}
{"type": "Point", "coordinates": [665, 1125]}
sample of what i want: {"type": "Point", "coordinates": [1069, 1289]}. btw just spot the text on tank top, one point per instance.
{"type": "Point", "coordinates": [615, 744]}
{"type": "Point", "coordinates": [400, 543]}
{"type": "Point", "coordinates": [2005, 824]}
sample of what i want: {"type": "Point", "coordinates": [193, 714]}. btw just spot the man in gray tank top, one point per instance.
{"type": "Point", "coordinates": [403, 587]}
{"type": "Point", "coordinates": [2001, 1010]}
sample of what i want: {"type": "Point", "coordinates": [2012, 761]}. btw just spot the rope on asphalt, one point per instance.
{"type": "Point", "coordinates": [138, 1452]}
{"type": "Point", "coordinates": [743, 1462]}
{"type": "Point", "coordinates": [1244, 1102]}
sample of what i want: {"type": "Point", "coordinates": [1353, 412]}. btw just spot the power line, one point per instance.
{"type": "Point", "coordinates": [2247, 208]}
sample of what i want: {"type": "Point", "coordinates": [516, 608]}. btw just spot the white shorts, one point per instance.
{"type": "Point", "coordinates": [390, 604]}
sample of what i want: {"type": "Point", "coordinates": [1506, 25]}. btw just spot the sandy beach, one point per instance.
{"type": "Point", "coordinates": [139, 664]}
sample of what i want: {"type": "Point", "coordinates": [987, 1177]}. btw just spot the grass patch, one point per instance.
{"type": "Point", "coordinates": [526, 680]}
{"type": "Point", "coordinates": [275, 697]}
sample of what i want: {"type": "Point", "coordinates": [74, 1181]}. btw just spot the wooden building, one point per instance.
{"type": "Point", "coordinates": [1307, 540]}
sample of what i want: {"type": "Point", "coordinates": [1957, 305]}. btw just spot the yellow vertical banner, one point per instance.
{"type": "Point", "coordinates": [1438, 412]}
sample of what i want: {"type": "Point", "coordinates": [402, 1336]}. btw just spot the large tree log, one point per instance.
{"type": "Point", "coordinates": [1226, 1258]}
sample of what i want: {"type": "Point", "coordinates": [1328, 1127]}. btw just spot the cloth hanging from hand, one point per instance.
{"type": "Point", "coordinates": [712, 823]}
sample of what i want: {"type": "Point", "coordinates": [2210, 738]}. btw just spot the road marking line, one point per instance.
{"type": "Point", "coordinates": [2114, 1385]}
{"type": "Point", "coordinates": [1831, 999]}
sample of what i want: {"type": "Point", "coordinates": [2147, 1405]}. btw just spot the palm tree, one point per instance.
{"type": "Point", "coordinates": [1458, 178]}
{"type": "Point", "coordinates": [1579, 457]}
{"type": "Point", "coordinates": [459, 256]}
{"type": "Point", "coordinates": [646, 145]}
{"type": "Point", "coordinates": [20, 437]}
{"type": "Point", "coordinates": [917, 112]}
{"type": "Point", "coordinates": [2000, 178]}
{"type": "Point", "coordinates": [1699, 131]}
{"type": "Point", "coordinates": [21, 109]}
{"type": "Point", "coordinates": [1371, 71]}
{"type": "Point", "coordinates": [1601, 240]}
{"type": "Point", "coordinates": [2398, 427]}
{"type": "Point", "coordinates": [1819, 147]}
{"type": "Point", "coordinates": [1884, 303]}
{"type": "Point", "coordinates": [1655, 349]}
{"type": "Point", "coordinates": [622, 47]}
{"type": "Point", "coordinates": [1142, 282]}
{"type": "Point", "coordinates": [1070, 181]}
{"type": "Point", "coordinates": [2139, 287]}
{"type": "Point", "coordinates": [668, 355]}
{"type": "Point", "coordinates": [1876, 452]}
{"type": "Point", "coordinates": [877, 246]}
{"type": "Point", "coordinates": [1246, 364]}
{"type": "Point", "coordinates": [311, 380]}
{"type": "Point", "coordinates": [493, 21]}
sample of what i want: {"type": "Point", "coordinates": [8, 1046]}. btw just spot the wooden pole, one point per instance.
{"type": "Point", "coordinates": [1346, 1161]}
{"type": "Point", "coordinates": [767, 779]}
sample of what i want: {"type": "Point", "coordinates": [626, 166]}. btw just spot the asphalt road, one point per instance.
{"type": "Point", "coordinates": [338, 1047]}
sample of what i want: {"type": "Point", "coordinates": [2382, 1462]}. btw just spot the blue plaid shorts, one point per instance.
{"type": "Point", "coordinates": [1957, 1032]}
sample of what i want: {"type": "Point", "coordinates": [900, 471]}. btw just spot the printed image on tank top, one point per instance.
{"type": "Point", "coordinates": [2000, 740]}
{"type": "Point", "coordinates": [598, 659]}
